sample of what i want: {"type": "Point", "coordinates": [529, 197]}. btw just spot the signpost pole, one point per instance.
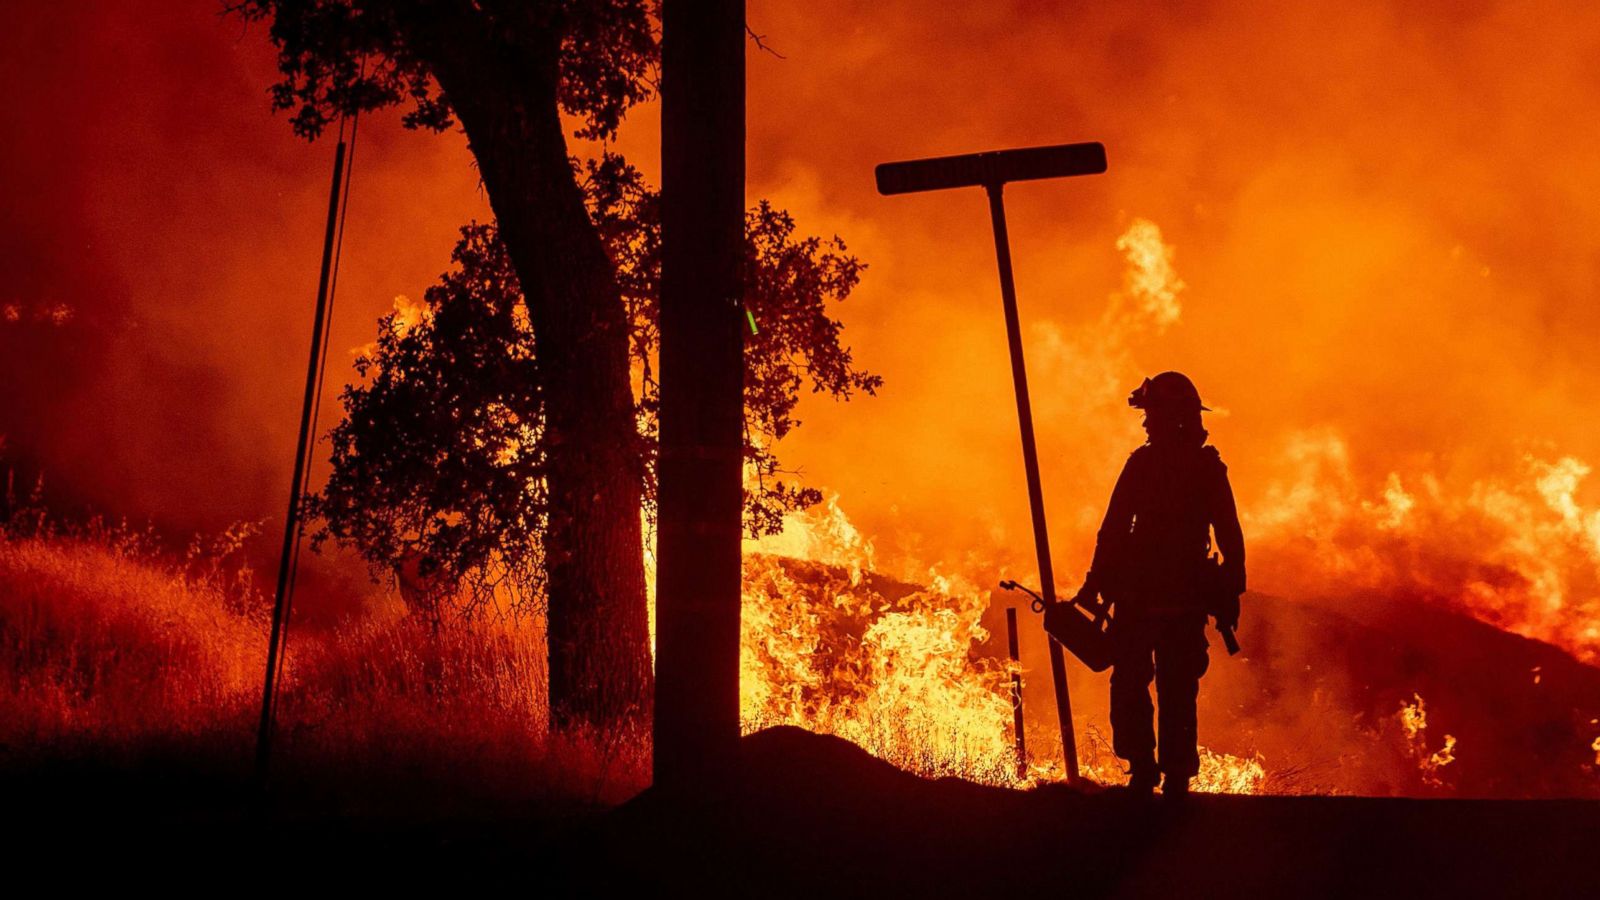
{"type": "Point", "coordinates": [991, 171]}
{"type": "Point", "coordinates": [1030, 462]}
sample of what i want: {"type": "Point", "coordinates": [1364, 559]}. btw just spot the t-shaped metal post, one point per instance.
{"type": "Point", "coordinates": [991, 171]}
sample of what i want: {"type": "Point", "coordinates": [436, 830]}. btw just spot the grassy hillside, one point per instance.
{"type": "Point", "coordinates": [115, 657]}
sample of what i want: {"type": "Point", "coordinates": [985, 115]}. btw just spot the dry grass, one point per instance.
{"type": "Point", "coordinates": [116, 657]}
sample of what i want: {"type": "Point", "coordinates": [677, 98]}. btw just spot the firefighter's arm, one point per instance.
{"type": "Point", "coordinates": [1230, 540]}
{"type": "Point", "coordinates": [1111, 541]}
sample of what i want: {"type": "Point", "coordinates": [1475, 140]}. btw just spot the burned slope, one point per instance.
{"type": "Point", "coordinates": [1524, 714]}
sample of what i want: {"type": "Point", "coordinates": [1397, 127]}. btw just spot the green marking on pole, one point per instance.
{"type": "Point", "coordinates": [751, 318]}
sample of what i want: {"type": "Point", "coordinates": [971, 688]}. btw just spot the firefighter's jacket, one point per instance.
{"type": "Point", "coordinates": [1157, 533]}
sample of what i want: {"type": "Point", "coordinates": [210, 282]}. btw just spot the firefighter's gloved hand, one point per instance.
{"type": "Point", "coordinates": [1087, 596]}
{"type": "Point", "coordinates": [1227, 611]}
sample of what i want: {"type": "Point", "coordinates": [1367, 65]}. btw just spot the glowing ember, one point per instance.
{"type": "Point", "coordinates": [1442, 757]}
{"type": "Point", "coordinates": [56, 314]}
{"type": "Point", "coordinates": [1414, 719]}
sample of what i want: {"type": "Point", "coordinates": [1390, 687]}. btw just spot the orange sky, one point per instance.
{"type": "Point", "coordinates": [1382, 214]}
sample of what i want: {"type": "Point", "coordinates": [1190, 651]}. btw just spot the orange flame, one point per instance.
{"type": "Point", "coordinates": [829, 646]}
{"type": "Point", "coordinates": [1523, 555]}
{"type": "Point", "coordinates": [1152, 281]}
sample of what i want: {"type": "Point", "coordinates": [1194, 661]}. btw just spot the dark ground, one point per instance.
{"type": "Point", "coordinates": [819, 817]}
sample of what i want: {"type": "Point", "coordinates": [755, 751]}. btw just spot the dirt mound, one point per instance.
{"type": "Point", "coordinates": [814, 814]}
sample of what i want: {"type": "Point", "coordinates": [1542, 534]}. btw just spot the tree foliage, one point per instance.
{"type": "Point", "coordinates": [338, 57]}
{"type": "Point", "coordinates": [437, 466]}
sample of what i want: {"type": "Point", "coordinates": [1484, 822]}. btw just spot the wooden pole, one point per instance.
{"type": "Point", "coordinates": [701, 497]}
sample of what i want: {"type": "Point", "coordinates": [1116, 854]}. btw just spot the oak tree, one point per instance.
{"type": "Point", "coordinates": [507, 71]}
{"type": "Point", "coordinates": [440, 465]}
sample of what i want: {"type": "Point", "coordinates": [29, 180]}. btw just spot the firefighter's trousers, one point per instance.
{"type": "Point", "coordinates": [1171, 650]}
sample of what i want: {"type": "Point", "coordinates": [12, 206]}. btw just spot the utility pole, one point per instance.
{"type": "Point", "coordinates": [701, 495]}
{"type": "Point", "coordinates": [291, 527]}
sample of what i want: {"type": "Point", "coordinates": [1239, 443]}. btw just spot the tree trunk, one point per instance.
{"type": "Point", "coordinates": [600, 669]}
{"type": "Point", "coordinates": [702, 392]}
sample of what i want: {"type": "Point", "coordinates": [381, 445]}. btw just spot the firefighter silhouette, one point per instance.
{"type": "Point", "coordinates": [1153, 564]}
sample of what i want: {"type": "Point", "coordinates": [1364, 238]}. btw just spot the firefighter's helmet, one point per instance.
{"type": "Point", "coordinates": [1168, 392]}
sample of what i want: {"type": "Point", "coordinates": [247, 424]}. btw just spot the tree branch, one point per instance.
{"type": "Point", "coordinates": [760, 41]}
